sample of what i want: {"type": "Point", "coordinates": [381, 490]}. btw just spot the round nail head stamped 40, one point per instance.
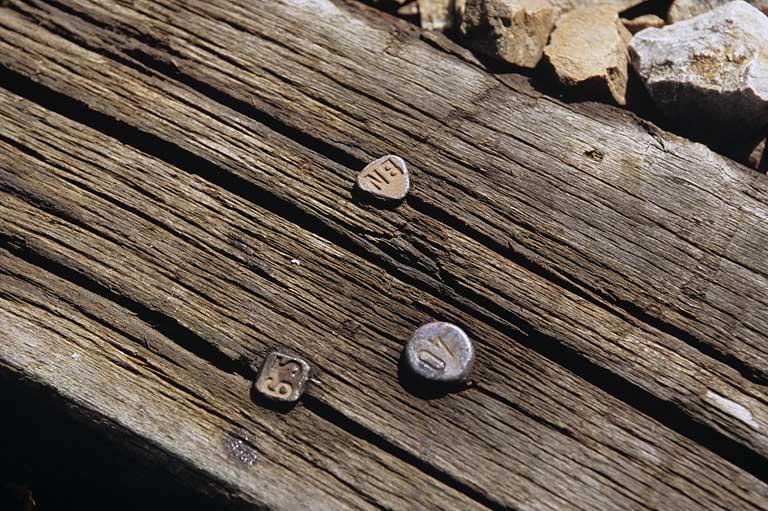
{"type": "Point", "coordinates": [440, 352]}
{"type": "Point", "coordinates": [386, 178]}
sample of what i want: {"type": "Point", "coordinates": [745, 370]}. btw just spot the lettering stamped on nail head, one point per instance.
{"type": "Point", "coordinates": [282, 377]}
{"type": "Point", "coordinates": [386, 178]}
{"type": "Point", "coordinates": [440, 352]}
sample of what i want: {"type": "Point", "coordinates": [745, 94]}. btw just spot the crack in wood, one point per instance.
{"type": "Point", "coordinates": [610, 382]}
{"type": "Point", "coordinates": [183, 159]}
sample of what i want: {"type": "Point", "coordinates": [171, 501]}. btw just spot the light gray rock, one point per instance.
{"type": "Point", "coordinates": [709, 74]}
{"type": "Point", "coordinates": [515, 31]}
{"type": "Point", "coordinates": [686, 9]}
{"type": "Point", "coordinates": [588, 51]}
{"type": "Point", "coordinates": [639, 23]}
{"type": "Point", "coordinates": [442, 14]}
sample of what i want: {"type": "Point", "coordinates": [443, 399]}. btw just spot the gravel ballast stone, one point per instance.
{"type": "Point", "coordinates": [588, 52]}
{"type": "Point", "coordinates": [709, 74]}
{"type": "Point", "coordinates": [514, 31]}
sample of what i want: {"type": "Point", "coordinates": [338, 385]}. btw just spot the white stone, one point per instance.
{"type": "Point", "coordinates": [732, 408]}
{"type": "Point", "coordinates": [709, 74]}
{"type": "Point", "coordinates": [409, 10]}
{"type": "Point", "coordinates": [686, 9]}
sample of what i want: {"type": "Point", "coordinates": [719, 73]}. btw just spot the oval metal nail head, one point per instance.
{"type": "Point", "coordinates": [386, 178]}
{"type": "Point", "coordinates": [440, 352]}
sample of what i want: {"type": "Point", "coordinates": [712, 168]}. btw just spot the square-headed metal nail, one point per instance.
{"type": "Point", "coordinates": [282, 377]}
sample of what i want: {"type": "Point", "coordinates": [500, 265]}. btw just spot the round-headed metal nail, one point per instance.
{"type": "Point", "coordinates": [282, 377]}
{"type": "Point", "coordinates": [440, 352]}
{"type": "Point", "coordinates": [386, 178]}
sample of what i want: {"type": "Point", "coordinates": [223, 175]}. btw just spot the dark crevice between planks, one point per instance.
{"type": "Point", "coordinates": [9, 183]}
{"type": "Point", "coordinates": [613, 384]}
{"type": "Point", "coordinates": [302, 138]}
{"type": "Point", "coordinates": [581, 289]}
{"type": "Point", "coordinates": [50, 446]}
{"type": "Point", "coordinates": [748, 372]}
{"type": "Point", "coordinates": [338, 155]}
{"type": "Point", "coordinates": [609, 303]}
{"type": "Point", "coordinates": [198, 346]}
{"type": "Point", "coordinates": [333, 416]}
{"type": "Point", "coordinates": [142, 62]}
{"type": "Point", "coordinates": [166, 325]}
{"type": "Point", "coordinates": [126, 30]}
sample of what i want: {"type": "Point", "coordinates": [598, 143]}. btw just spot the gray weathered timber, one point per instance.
{"type": "Point", "coordinates": [526, 435]}
{"type": "Point", "coordinates": [447, 259]}
{"type": "Point", "coordinates": [196, 231]}
{"type": "Point", "coordinates": [658, 226]}
{"type": "Point", "coordinates": [102, 357]}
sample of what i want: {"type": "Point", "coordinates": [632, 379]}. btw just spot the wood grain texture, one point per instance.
{"type": "Point", "coordinates": [477, 271]}
{"type": "Point", "coordinates": [495, 146]}
{"type": "Point", "coordinates": [198, 237]}
{"type": "Point", "coordinates": [105, 359]}
{"type": "Point", "coordinates": [134, 226]}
